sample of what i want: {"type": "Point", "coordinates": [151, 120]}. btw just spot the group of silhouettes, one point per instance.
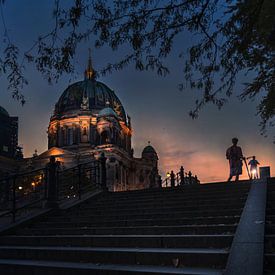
{"type": "Point", "coordinates": [235, 156]}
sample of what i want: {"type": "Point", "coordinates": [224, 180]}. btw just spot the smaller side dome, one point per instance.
{"type": "Point", "coordinates": [3, 112]}
{"type": "Point", "coordinates": [149, 153]}
{"type": "Point", "coordinates": [105, 112]}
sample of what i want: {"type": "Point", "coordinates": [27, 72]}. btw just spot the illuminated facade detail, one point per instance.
{"type": "Point", "coordinates": [88, 119]}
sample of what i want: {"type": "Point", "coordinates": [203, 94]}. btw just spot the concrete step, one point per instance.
{"type": "Point", "coordinates": [150, 211]}
{"type": "Point", "coordinates": [154, 209]}
{"type": "Point", "coordinates": [156, 241]}
{"type": "Point", "coordinates": [162, 203]}
{"type": "Point", "coordinates": [270, 211]}
{"type": "Point", "coordinates": [199, 190]}
{"type": "Point", "coordinates": [138, 204]}
{"type": "Point", "coordinates": [270, 262]}
{"type": "Point", "coordinates": [139, 222]}
{"type": "Point", "coordinates": [113, 255]}
{"type": "Point", "coordinates": [269, 219]}
{"type": "Point", "coordinates": [270, 229]}
{"type": "Point", "coordinates": [188, 197]}
{"type": "Point", "coordinates": [156, 215]}
{"type": "Point", "coordinates": [129, 230]}
{"type": "Point", "coordinates": [26, 267]}
{"type": "Point", "coordinates": [188, 188]}
{"type": "Point", "coordinates": [158, 220]}
{"type": "Point", "coordinates": [167, 192]}
{"type": "Point", "coordinates": [270, 206]}
{"type": "Point", "coordinates": [269, 243]}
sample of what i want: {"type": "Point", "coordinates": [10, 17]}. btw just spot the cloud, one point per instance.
{"type": "Point", "coordinates": [180, 153]}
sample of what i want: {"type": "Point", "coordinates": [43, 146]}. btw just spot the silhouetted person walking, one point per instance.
{"type": "Point", "coordinates": [234, 155]}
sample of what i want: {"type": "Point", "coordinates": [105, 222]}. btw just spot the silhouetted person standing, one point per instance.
{"type": "Point", "coordinates": [234, 155]}
{"type": "Point", "coordinates": [254, 167]}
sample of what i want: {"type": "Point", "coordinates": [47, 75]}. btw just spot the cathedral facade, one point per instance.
{"type": "Point", "coordinates": [89, 120]}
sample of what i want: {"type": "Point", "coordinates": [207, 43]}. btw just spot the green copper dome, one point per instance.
{"type": "Point", "coordinates": [149, 149]}
{"type": "Point", "coordinates": [149, 152]}
{"type": "Point", "coordinates": [3, 112]}
{"type": "Point", "coordinates": [107, 112]}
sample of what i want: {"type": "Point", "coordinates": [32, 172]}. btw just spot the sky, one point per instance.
{"type": "Point", "coordinates": [159, 110]}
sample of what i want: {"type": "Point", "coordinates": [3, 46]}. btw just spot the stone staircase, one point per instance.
{"type": "Point", "coordinates": [187, 230]}
{"type": "Point", "coordinates": [270, 229]}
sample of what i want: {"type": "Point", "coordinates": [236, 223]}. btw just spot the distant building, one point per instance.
{"type": "Point", "coordinates": [8, 134]}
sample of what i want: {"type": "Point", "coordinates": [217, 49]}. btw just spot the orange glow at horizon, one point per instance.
{"type": "Point", "coordinates": [206, 159]}
{"type": "Point", "coordinates": [209, 167]}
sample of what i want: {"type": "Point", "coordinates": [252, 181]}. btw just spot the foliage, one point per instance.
{"type": "Point", "coordinates": [232, 37]}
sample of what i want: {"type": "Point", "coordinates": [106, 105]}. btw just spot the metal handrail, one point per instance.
{"type": "Point", "coordinates": [12, 183]}
{"type": "Point", "coordinates": [78, 178]}
{"type": "Point", "coordinates": [10, 176]}
{"type": "Point", "coordinates": [73, 167]}
{"type": "Point", "coordinates": [180, 178]}
{"type": "Point", "coordinates": [13, 187]}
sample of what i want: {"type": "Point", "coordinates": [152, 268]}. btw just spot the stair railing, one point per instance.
{"type": "Point", "coordinates": [22, 194]}
{"type": "Point", "coordinates": [72, 183]}
{"type": "Point", "coordinates": [179, 179]}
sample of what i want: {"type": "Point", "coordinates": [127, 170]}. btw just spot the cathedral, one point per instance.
{"type": "Point", "coordinates": [88, 120]}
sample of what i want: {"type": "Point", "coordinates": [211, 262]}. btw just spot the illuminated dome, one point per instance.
{"type": "Point", "coordinates": [89, 112]}
{"type": "Point", "coordinates": [89, 96]}
{"type": "Point", "coordinates": [98, 96]}
{"type": "Point", "coordinates": [3, 112]}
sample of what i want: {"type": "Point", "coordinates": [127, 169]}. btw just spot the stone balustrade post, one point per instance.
{"type": "Point", "coordinates": [52, 196]}
{"type": "Point", "coordinates": [103, 172]}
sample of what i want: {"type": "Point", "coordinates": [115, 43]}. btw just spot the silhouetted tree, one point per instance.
{"type": "Point", "coordinates": [233, 37]}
